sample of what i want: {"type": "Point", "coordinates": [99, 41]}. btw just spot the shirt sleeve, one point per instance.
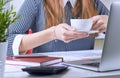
{"type": "Point", "coordinates": [27, 15]}
{"type": "Point", "coordinates": [101, 8]}
{"type": "Point", "coordinates": [16, 44]}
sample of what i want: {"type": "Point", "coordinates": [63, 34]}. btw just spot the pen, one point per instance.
{"type": "Point", "coordinates": [29, 51]}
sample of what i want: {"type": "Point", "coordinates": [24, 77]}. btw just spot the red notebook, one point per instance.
{"type": "Point", "coordinates": [33, 61]}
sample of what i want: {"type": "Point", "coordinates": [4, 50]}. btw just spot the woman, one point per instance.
{"type": "Point", "coordinates": [50, 23]}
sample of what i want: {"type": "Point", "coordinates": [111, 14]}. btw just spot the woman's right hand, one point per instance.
{"type": "Point", "coordinates": [66, 33]}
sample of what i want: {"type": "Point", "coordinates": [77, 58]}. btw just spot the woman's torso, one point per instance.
{"type": "Point", "coordinates": [33, 16]}
{"type": "Point", "coordinates": [57, 45]}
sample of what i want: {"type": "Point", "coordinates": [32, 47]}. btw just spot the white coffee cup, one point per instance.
{"type": "Point", "coordinates": [83, 25]}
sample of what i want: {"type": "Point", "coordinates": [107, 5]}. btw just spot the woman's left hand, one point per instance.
{"type": "Point", "coordinates": [100, 23]}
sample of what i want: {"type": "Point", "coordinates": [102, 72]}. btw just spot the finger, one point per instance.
{"type": "Point", "coordinates": [77, 37]}
{"type": "Point", "coordinates": [74, 37]}
{"type": "Point", "coordinates": [74, 34]}
{"type": "Point", "coordinates": [102, 30]}
{"type": "Point", "coordinates": [95, 19]}
{"type": "Point", "coordinates": [97, 25]}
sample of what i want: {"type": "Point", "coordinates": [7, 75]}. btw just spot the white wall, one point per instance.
{"type": "Point", "coordinates": [108, 2]}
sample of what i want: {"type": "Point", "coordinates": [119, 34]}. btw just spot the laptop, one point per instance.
{"type": "Point", "coordinates": [110, 58]}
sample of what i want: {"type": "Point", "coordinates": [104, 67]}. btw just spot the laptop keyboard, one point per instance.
{"type": "Point", "coordinates": [92, 64]}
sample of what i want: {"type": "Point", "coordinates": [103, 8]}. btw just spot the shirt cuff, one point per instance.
{"type": "Point", "coordinates": [16, 44]}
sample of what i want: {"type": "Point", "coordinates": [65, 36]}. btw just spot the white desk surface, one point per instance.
{"type": "Point", "coordinates": [15, 71]}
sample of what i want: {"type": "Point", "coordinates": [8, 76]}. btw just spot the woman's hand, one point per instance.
{"type": "Point", "coordinates": [100, 23]}
{"type": "Point", "coordinates": [66, 33]}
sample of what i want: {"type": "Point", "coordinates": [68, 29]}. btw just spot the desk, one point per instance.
{"type": "Point", "coordinates": [71, 73]}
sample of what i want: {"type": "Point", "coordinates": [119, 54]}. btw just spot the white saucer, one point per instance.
{"type": "Point", "coordinates": [90, 32]}
{"type": "Point", "coordinates": [93, 31]}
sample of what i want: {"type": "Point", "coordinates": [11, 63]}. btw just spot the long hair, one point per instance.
{"type": "Point", "coordinates": [54, 11]}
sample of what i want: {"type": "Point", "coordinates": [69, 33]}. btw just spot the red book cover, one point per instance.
{"type": "Point", "coordinates": [42, 60]}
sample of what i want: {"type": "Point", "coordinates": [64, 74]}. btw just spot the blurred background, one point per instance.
{"type": "Point", "coordinates": [108, 2]}
{"type": "Point", "coordinates": [17, 3]}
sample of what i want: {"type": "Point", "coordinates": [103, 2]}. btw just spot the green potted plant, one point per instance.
{"type": "Point", "coordinates": [7, 17]}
